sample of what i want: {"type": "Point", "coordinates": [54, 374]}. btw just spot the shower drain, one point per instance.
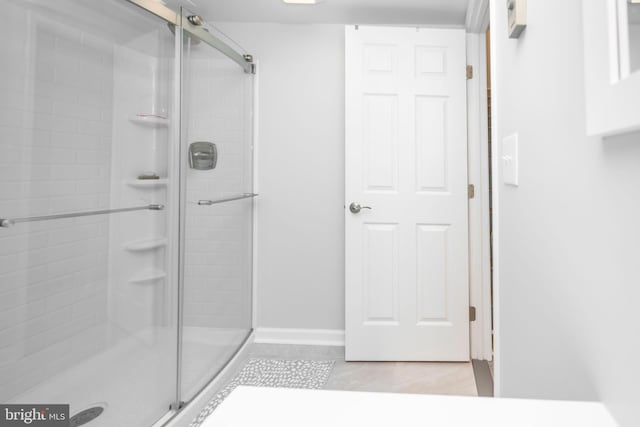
{"type": "Point", "coordinates": [83, 417]}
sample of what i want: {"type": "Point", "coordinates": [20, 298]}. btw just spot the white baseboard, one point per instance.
{"type": "Point", "coordinates": [332, 337]}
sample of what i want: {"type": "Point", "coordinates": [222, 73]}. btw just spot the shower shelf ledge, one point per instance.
{"type": "Point", "coordinates": [148, 277]}
{"type": "Point", "coordinates": [150, 120]}
{"type": "Point", "coordinates": [146, 244]}
{"type": "Point", "coordinates": [147, 183]}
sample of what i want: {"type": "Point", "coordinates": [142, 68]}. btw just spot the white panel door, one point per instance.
{"type": "Point", "coordinates": [407, 293]}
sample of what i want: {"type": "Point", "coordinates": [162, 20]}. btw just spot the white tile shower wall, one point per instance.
{"type": "Point", "coordinates": [55, 139]}
{"type": "Point", "coordinates": [134, 307]}
{"type": "Point", "coordinates": [218, 238]}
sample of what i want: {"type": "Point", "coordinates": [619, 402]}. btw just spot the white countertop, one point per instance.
{"type": "Point", "coordinates": [261, 406]}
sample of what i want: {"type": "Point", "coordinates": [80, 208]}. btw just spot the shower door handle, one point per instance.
{"type": "Point", "coordinates": [355, 208]}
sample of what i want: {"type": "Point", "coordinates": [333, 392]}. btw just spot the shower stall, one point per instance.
{"type": "Point", "coordinates": [126, 206]}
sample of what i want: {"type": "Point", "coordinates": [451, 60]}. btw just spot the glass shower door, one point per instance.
{"type": "Point", "coordinates": [87, 286]}
{"type": "Point", "coordinates": [217, 211]}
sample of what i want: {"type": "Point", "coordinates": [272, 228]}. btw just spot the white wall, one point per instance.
{"type": "Point", "coordinates": [300, 268]}
{"type": "Point", "coordinates": [568, 235]}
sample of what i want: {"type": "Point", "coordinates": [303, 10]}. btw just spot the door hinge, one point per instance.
{"type": "Point", "coordinates": [472, 314]}
{"type": "Point", "coordinates": [472, 191]}
{"type": "Point", "coordinates": [469, 72]}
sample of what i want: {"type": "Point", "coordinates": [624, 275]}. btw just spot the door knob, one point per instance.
{"type": "Point", "coordinates": [356, 208]}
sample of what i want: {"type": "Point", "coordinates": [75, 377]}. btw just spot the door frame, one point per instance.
{"type": "Point", "coordinates": [480, 292]}
{"type": "Point", "coordinates": [483, 340]}
{"type": "Point", "coordinates": [479, 15]}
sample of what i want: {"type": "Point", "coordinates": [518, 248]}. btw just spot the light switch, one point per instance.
{"type": "Point", "coordinates": [510, 160]}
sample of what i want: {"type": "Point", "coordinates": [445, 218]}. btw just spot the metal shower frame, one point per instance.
{"type": "Point", "coordinates": [193, 27]}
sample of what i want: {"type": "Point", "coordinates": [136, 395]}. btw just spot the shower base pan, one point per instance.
{"type": "Point", "coordinates": [132, 382]}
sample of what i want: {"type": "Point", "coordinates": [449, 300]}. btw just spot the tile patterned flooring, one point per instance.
{"type": "Point", "coordinates": [404, 377]}
{"type": "Point", "coordinates": [390, 377]}
{"type": "Point", "coordinates": [268, 372]}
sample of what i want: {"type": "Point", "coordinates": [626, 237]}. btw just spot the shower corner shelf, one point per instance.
{"type": "Point", "coordinates": [148, 277]}
{"type": "Point", "coordinates": [150, 120]}
{"type": "Point", "coordinates": [147, 183]}
{"type": "Point", "coordinates": [146, 244]}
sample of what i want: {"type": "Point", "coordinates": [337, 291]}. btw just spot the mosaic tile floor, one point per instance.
{"type": "Point", "coordinates": [309, 374]}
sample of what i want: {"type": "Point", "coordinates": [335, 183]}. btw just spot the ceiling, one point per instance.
{"type": "Point", "coordinates": [397, 12]}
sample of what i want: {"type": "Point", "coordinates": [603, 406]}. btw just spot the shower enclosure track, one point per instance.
{"type": "Point", "coordinates": [194, 28]}
{"type": "Point", "coordinates": [6, 222]}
